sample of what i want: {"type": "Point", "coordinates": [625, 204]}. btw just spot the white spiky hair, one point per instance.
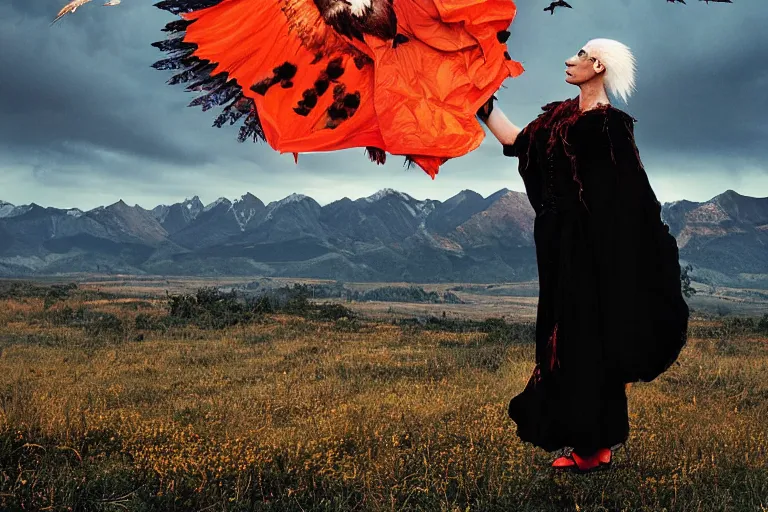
{"type": "Point", "coordinates": [619, 65]}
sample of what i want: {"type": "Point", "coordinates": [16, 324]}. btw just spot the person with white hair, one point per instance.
{"type": "Point", "coordinates": [611, 309]}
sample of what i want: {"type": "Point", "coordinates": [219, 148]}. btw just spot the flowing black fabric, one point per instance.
{"type": "Point", "coordinates": [611, 308]}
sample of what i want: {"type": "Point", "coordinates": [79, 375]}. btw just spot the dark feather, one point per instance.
{"type": "Point", "coordinates": [176, 26]}
{"type": "Point", "coordinates": [175, 63]}
{"type": "Point", "coordinates": [321, 85]}
{"type": "Point", "coordinates": [237, 108]}
{"type": "Point", "coordinates": [376, 155]}
{"type": "Point", "coordinates": [199, 72]}
{"type": "Point", "coordinates": [174, 44]}
{"type": "Point", "coordinates": [179, 6]}
{"type": "Point", "coordinates": [334, 69]}
{"type": "Point", "coordinates": [218, 90]}
{"type": "Point", "coordinates": [217, 97]}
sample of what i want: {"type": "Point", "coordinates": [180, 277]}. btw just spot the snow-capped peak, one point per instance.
{"type": "Point", "coordinates": [193, 205]}
{"type": "Point", "coordinates": [245, 197]}
{"type": "Point", "coordinates": [5, 209]}
{"type": "Point", "coordinates": [293, 198]}
{"type": "Point", "coordinates": [216, 203]}
{"type": "Point", "coordinates": [387, 192]}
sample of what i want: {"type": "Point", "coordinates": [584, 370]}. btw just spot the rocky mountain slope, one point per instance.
{"type": "Point", "coordinates": [384, 237]}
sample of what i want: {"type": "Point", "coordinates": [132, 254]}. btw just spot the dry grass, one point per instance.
{"type": "Point", "coordinates": [291, 414]}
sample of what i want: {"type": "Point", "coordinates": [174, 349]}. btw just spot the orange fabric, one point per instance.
{"type": "Point", "coordinates": [418, 99]}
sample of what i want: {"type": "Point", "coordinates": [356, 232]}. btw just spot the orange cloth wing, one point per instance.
{"type": "Point", "coordinates": [308, 88]}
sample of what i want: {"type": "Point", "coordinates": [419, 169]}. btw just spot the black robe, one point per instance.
{"type": "Point", "coordinates": [611, 309]}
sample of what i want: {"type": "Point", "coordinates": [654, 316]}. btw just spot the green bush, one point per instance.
{"type": "Point", "coordinates": [94, 323]}
{"type": "Point", "coordinates": [210, 308]}
{"type": "Point", "coordinates": [732, 326]}
{"type": "Point", "coordinates": [762, 324]}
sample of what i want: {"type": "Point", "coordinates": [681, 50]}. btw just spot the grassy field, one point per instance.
{"type": "Point", "coordinates": [107, 403]}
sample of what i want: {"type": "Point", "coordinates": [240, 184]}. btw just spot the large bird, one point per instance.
{"type": "Point", "coordinates": [404, 77]}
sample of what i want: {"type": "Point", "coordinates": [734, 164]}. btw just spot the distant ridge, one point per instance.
{"type": "Point", "coordinates": [387, 236]}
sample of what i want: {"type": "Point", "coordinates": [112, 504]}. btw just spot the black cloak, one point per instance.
{"type": "Point", "coordinates": [611, 309]}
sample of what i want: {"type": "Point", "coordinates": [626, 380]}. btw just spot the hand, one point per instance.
{"type": "Point", "coordinates": [502, 128]}
{"type": "Point", "coordinates": [485, 110]}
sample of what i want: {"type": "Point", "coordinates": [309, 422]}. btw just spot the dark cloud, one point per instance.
{"type": "Point", "coordinates": [85, 118]}
{"type": "Point", "coordinates": [701, 69]}
{"type": "Point", "coordinates": [709, 100]}
{"type": "Point", "coordinates": [69, 90]}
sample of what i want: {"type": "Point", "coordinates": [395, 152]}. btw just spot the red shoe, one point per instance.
{"type": "Point", "coordinates": [598, 461]}
{"type": "Point", "coordinates": [604, 455]}
{"type": "Point", "coordinates": [565, 462]}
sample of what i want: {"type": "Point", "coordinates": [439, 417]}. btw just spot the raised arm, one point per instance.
{"type": "Point", "coordinates": [502, 128]}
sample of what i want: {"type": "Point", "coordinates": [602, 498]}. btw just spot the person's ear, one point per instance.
{"type": "Point", "coordinates": [598, 66]}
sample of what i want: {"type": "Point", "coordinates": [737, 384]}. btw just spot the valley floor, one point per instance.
{"type": "Point", "coordinates": [106, 406]}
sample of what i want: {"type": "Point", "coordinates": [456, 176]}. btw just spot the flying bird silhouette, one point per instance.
{"type": "Point", "coordinates": [72, 6]}
{"type": "Point", "coordinates": [558, 3]}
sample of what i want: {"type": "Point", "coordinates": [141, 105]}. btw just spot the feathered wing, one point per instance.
{"type": "Point", "coordinates": [293, 95]}
{"type": "Point", "coordinates": [307, 81]}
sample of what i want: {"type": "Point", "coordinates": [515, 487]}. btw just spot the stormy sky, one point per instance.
{"type": "Point", "coordinates": [85, 120]}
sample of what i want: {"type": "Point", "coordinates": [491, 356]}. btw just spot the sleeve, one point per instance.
{"type": "Point", "coordinates": [528, 163]}
{"type": "Point", "coordinates": [519, 146]}
{"type": "Point", "coordinates": [635, 258]}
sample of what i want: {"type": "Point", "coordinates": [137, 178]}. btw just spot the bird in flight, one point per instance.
{"type": "Point", "coordinates": [72, 6]}
{"type": "Point", "coordinates": [558, 3]}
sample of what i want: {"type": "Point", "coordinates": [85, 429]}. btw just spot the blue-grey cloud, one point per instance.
{"type": "Point", "coordinates": [86, 120]}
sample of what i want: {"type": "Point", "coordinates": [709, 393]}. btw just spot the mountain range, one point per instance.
{"type": "Point", "coordinates": [388, 236]}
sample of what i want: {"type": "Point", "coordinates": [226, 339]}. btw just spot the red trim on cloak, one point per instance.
{"type": "Point", "coordinates": [552, 345]}
{"type": "Point", "coordinates": [557, 119]}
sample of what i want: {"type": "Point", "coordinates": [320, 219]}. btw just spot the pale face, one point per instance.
{"type": "Point", "coordinates": [582, 68]}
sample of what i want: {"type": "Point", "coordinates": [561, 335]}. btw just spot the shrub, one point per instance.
{"type": "Point", "coordinates": [211, 308]}
{"type": "Point", "coordinates": [94, 323]}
